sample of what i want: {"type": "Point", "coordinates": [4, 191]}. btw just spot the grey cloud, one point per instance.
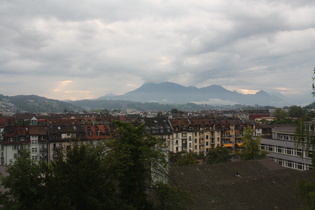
{"type": "Point", "coordinates": [240, 44]}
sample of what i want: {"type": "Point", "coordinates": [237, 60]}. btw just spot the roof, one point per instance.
{"type": "Point", "coordinates": [287, 128]}
{"type": "Point", "coordinates": [37, 130]}
{"type": "Point", "coordinates": [263, 184]}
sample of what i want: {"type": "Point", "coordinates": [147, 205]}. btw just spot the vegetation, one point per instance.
{"type": "Point", "coordinates": [280, 116]}
{"type": "Point", "coordinates": [250, 150]}
{"type": "Point", "coordinates": [306, 140]}
{"type": "Point", "coordinates": [296, 112]}
{"type": "Point", "coordinates": [128, 172]}
{"type": "Point", "coordinates": [218, 155]}
{"type": "Point", "coordinates": [183, 159]}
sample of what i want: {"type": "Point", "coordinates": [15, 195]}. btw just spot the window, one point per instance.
{"type": "Point", "coordinates": [299, 152]}
{"type": "Point", "coordinates": [207, 137]}
{"type": "Point", "coordinates": [207, 143]}
{"type": "Point", "coordinates": [299, 166]}
{"type": "Point", "coordinates": [34, 149]}
{"type": "Point", "coordinates": [290, 164]}
{"type": "Point", "coordinates": [310, 154]}
{"type": "Point", "coordinates": [280, 149]}
{"type": "Point", "coordinates": [289, 151]}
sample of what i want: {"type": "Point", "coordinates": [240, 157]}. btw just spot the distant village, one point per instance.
{"type": "Point", "coordinates": [197, 132]}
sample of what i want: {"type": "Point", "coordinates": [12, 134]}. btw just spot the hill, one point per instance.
{"type": "Point", "coordinates": [35, 104]}
{"type": "Point", "coordinates": [172, 93]}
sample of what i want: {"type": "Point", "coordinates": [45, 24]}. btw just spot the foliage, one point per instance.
{"type": "Point", "coordinates": [251, 146]}
{"type": "Point", "coordinates": [280, 116]}
{"type": "Point", "coordinates": [170, 197]}
{"type": "Point", "coordinates": [183, 159]}
{"type": "Point", "coordinates": [218, 155]}
{"type": "Point", "coordinates": [305, 138]}
{"type": "Point", "coordinates": [115, 175]}
{"type": "Point", "coordinates": [306, 192]}
{"type": "Point", "coordinates": [77, 180]}
{"type": "Point", "coordinates": [130, 157]}
{"type": "Point", "coordinates": [24, 182]}
{"type": "Point", "coordinates": [296, 111]}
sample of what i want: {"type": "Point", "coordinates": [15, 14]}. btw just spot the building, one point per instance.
{"type": "Point", "coordinates": [283, 150]}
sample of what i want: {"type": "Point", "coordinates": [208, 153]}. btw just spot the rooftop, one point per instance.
{"type": "Point", "coordinates": [262, 184]}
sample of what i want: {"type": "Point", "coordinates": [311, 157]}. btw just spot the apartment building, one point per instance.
{"type": "Point", "coordinates": [198, 135]}
{"type": "Point", "coordinates": [283, 150]}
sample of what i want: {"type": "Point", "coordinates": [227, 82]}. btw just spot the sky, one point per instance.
{"type": "Point", "coordinates": [90, 48]}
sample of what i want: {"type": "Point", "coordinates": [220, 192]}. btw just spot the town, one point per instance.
{"type": "Point", "coordinates": [192, 132]}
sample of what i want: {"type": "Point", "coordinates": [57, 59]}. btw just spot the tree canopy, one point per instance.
{"type": "Point", "coordinates": [218, 155]}
{"type": "Point", "coordinates": [183, 159]}
{"type": "Point", "coordinates": [250, 150]}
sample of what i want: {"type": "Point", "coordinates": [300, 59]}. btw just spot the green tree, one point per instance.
{"type": "Point", "coordinates": [306, 193]}
{"type": "Point", "coordinates": [251, 146]}
{"type": "Point", "coordinates": [23, 184]}
{"type": "Point", "coordinates": [80, 179]}
{"type": "Point", "coordinates": [170, 197]}
{"type": "Point", "coordinates": [184, 159]}
{"type": "Point", "coordinates": [296, 111]}
{"type": "Point", "coordinates": [123, 173]}
{"type": "Point", "coordinates": [280, 116]}
{"type": "Point", "coordinates": [135, 158]}
{"type": "Point", "coordinates": [174, 111]}
{"type": "Point", "coordinates": [218, 155]}
{"type": "Point", "coordinates": [77, 180]}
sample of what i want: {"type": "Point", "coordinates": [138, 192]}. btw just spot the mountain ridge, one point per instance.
{"type": "Point", "coordinates": [169, 92]}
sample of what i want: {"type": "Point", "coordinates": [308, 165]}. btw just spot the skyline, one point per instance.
{"type": "Point", "coordinates": [69, 50]}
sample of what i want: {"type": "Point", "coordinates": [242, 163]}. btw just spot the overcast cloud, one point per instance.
{"type": "Point", "coordinates": [89, 48]}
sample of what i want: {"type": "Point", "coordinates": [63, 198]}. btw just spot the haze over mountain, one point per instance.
{"type": "Point", "coordinates": [169, 93]}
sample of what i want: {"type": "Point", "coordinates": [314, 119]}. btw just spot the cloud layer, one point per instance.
{"type": "Point", "coordinates": [86, 49]}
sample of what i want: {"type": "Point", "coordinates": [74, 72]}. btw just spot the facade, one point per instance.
{"type": "Point", "coordinates": [283, 150]}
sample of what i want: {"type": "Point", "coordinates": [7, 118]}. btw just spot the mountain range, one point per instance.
{"type": "Point", "coordinates": [170, 93]}
{"type": "Point", "coordinates": [149, 97]}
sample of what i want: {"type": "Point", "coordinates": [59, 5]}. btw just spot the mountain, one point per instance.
{"type": "Point", "coordinates": [35, 104]}
{"type": "Point", "coordinates": [170, 93]}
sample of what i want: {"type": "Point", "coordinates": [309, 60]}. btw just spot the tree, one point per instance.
{"type": "Point", "coordinates": [218, 155]}
{"type": "Point", "coordinates": [170, 197]}
{"type": "Point", "coordinates": [24, 183]}
{"type": "Point", "coordinates": [174, 111]}
{"type": "Point", "coordinates": [305, 138]}
{"type": "Point", "coordinates": [80, 179]}
{"type": "Point", "coordinates": [306, 192]}
{"type": "Point", "coordinates": [127, 172]}
{"type": "Point", "coordinates": [183, 159]}
{"type": "Point", "coordinates": [77, 180]}
{"type": "Point", "coordinates": [131, 157]}
{"type": "Point", "coordinates": [251, 146]}
{"type": "Point", "coordinates": [280, 116]}
{"type": "Point", "coordinates": [296, 111]}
